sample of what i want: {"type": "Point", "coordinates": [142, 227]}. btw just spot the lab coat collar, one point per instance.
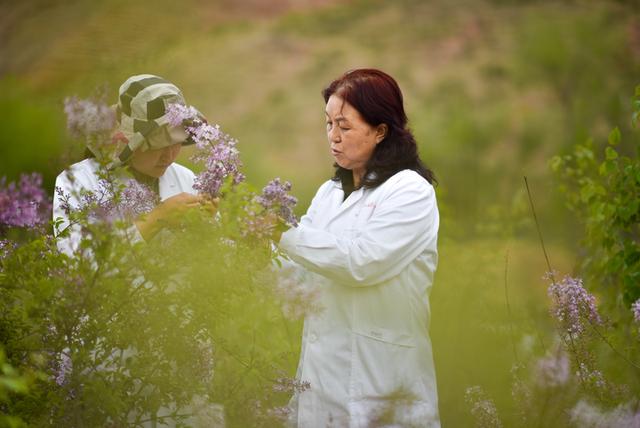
{"type": "Point", "coordinates": [353, 198]}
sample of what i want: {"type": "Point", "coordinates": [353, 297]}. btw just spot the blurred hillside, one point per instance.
{"type": "Point", "coordinates": [493, 89]}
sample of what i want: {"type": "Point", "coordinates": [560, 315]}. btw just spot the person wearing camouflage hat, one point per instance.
{"type": "Point", "coordinates": [147, 148]}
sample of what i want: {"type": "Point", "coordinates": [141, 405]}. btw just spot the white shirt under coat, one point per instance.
{"type": "Point", "coordinates": [373, 258]}
{"type": "Point", "coordinates": [84, 176]}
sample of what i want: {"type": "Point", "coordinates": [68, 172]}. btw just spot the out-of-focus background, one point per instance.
{"type": "Point", "coordinates": [493, 90]}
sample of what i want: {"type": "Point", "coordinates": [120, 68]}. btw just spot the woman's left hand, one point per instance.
{"type": "Point", "coordinates": [210, 204]}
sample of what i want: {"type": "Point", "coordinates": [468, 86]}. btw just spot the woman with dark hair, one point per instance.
{"type": "Point", "coordinates": [368, 242]}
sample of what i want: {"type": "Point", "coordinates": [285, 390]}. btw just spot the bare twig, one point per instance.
{"type": "Point", "coordinates": [506, 297]}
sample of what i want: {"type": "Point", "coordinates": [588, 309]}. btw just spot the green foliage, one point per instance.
{"type": "Point", "coordinates": [11, 382]}
{"type": "Point", "coordinates": [602, 187]}
{"type": "Point", "coordinates": [187, 327]}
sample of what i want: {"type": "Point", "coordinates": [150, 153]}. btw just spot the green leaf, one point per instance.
{"type": "Point", "coordinates": [556, 163]}
{"type": "Point", "coordinates": [614, 136]}
{"type": "Point", "coordinates": [610, 153]}
{"type": "Point", "coordinates": [14, 384]}
{"type": "Point", "coordinates": [606, 168]}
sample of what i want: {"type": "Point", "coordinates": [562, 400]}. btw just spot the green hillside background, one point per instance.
{"type": "Point", "coordinates": [493, 90]}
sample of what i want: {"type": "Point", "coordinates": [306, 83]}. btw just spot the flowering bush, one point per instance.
{"type": "Point", "coordinates": [23, 204]}
{"type": "Point", "coordinates": [186, 329]}
{"type": "Point", "coordinates": [589, 377]}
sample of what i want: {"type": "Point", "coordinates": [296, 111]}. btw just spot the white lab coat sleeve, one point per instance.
{"type": "Point", "coordinates": [404, 223]}
{"type": "Point", "coordinates": [287, 265]}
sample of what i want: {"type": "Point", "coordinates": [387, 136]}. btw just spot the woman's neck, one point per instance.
{"type": "Point", "coordinates": [145, 179]}
{"type": "Point", "coordinates": [358, 174]}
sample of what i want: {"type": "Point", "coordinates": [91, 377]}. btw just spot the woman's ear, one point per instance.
{"type": "Point", "coordinates": [381, 132]}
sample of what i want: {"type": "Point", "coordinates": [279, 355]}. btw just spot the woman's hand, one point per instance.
{"type": "Point", "coordinates": [280, 227]}
{"type": "Point", "coordinates": [210, 204]}
{"type": "Point", "coordinates": [170, 212]}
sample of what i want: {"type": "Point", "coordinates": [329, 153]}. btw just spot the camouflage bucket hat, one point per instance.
{"type": "Point", "coordinates": [141, 110]}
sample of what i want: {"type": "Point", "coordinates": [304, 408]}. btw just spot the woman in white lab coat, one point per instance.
{"type": "Point", "coordinates": [150, 147]}
{"type": "Point", "coordinates": [368, 241]}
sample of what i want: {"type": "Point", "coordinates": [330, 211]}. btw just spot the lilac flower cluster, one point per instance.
{"type": "Point", "coordinates": [98, 205]}
{"type": "Point", "coordinates": [635, 308]}
{"type": "Point", "coordinates": [63, 369]}
{"type": "Point", "coordinates": [281, 413]}
{"type": "Point", "coordinates": [592, 378]}
{"type": "Point", "coordinates": [299, 298]}
{"type": "Point", "coordinates": [573, 305]}
{"type": "Point", "coordinates": [137, 199]}
{"type": "Point", "coordinates": [200, 131]}
{"type": "Point", "coordinates": [205, 360]}
{"type": "Point", "coordinates": [134, 200]}
{"type": "Point", "coordinates": [257, 225]}
{"type": "Point", "coordinates": [87, 118]}
{"type": "Point", "coordinates": [553, 370]}
{"type": "Point", "coordinates": [483, 408]}
{"type": "Point", "coordinates": [6, 248]}
{"type": "Point", "coordinates": [222, 161]}
{"type": "Point", "coordinates": [587, 415]}
{"type": "Point", "coordinates": [217, 150]}
{"type": "Point", "coordinates": [178, 114]}
{"type": "Point", "coordinates": [275, 198]}
{"type": "Point", "coordinates": [287, 384]}
{"type": "Point", "coordinates": [24, 204]}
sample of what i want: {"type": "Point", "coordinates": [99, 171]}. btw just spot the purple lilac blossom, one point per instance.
{"type": "Point", "coordinates": [275, 198]}
{"type": "Point", "coordinates": [178, 114]}
{"type": "Point", "coordinates": [483, 408]}
{"type": "Point", "coordinates": [137, 199]}
{"type": "Point", "coordinates": [282, 413]}
{"type": "Point", "coordinates": [299, 298]}
{"type": "Point", "coordinates": [573, 305]}
{"type": "Point", "coordinates": [587, 415]}
{"type": "Point", "coordinates": [200, 131]}
{"type": "Point", "coordinates": [204, 134]}
{"type": "Point", "coordinates": [87, 118]}
{"type": "Point", "coordinates": [64, 368]}
{"type": "Point", "coordinates": [6, 248]}
{"type": "Point", "coordinates": [553, 370]}
{"type": "Point", "coordinates": [591, 377]}
{"type": "Point", "coordinates": [635, 308]}
{"type": "Point", "coordinates": [98, 205]}
{"type": "Point", "coordinates": [287, 384]}
{"type": "Point", "coordinates": [24, 204]}
{"type": "Point", "coordinates": [222, 161]}
{"type": "Point", "coordinates": [256, 225]}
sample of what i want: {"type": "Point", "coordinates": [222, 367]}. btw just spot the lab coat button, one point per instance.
{"type": "Point", "coordinates": [312, 338]}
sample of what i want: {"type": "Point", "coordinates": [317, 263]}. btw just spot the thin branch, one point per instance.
{"type": "Point", "coordinates": [535, 218]}
{"type": "Point", "coordinates": [506, 297]}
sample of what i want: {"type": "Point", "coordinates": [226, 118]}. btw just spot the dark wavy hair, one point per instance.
{"type": "Point", "coordinates": [378, 99]}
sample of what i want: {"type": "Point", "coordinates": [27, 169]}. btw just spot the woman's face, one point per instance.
{"type": "Point", "coordinates": [352, 139]}
{"type": "Point", "coordinates": [155, 162]}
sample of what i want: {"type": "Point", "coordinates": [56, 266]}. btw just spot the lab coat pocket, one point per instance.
{"type": "Point", "coordinates": [382, 363]}
{"type": "Point", "coordinates": [387, 335]}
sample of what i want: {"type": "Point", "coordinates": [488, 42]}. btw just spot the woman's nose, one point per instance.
{"type": "Point", "coordinates": [334, 135]}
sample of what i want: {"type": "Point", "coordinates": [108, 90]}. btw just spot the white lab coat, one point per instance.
{"type": "Point", "coordinates": [373, 258]}
{"type": "Point", "coordinates": [84, 175]}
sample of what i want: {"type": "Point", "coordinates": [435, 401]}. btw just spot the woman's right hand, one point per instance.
{"type": "Point", "coordinates": [168, 213]}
